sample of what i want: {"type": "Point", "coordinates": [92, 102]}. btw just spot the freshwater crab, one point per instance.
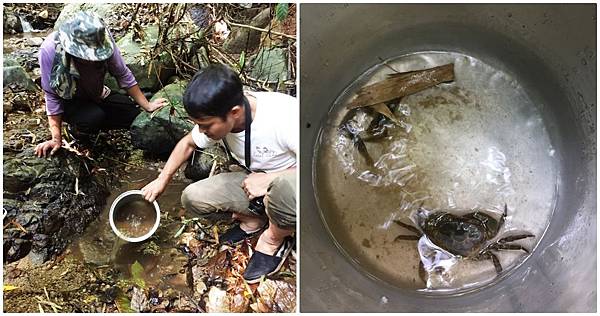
{"type": "Point", "coordinates": [376, 131]}
{"type": "Point", "coordinates": [467, 236]}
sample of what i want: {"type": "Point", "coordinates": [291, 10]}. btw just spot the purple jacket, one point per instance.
{"type": "Point", "coordinates": [91, 82]}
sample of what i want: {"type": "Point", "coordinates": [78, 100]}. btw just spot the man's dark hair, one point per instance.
{"type": "Point", "coordinates": [213, 91]}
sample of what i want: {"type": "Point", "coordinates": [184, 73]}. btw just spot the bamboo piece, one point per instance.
{"type": "Point", "coordinates": [401, 84]}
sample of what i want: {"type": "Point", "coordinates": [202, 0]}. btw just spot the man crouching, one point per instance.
{"type": "Point", "coordinates": [260, 131]}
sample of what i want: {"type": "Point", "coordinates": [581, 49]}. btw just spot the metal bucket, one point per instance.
{"type": "Point", "coordinates": [118, 212]}
{"type": "Point", "coordinates": [551, 49]}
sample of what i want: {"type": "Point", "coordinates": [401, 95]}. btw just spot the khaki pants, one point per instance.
{"type": "Point", "coordinates": [222, 194]}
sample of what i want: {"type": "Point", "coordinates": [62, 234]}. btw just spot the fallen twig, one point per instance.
{"type": "Point", "coordinates": [121, 162]}
{"type": "Point", "coordinates": [260, 29]}
{"type": "Point", "coordinates": [19, 226]}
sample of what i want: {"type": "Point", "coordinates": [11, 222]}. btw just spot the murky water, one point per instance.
{"type": "Point", "coordinates": [135, 218]}
{"type": "Point", "coordinates": [159, 256]}
{"type": "Point", "coordinates": [476, 143]}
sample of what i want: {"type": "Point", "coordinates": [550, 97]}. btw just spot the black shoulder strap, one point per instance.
{"type": "Point", "coordinates": [248, 121]}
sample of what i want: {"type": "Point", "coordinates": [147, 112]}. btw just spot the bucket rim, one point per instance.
{"type": "Point", "coordinates": [121, 235]}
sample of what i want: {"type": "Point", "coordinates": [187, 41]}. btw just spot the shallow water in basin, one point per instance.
{"type": "Point", "coordinates": [476, 143]}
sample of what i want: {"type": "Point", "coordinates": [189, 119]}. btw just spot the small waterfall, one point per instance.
{"type": "Point", "coordinates": [26, 26]}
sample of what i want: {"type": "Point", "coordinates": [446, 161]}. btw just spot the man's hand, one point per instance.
{"type": "Point", "coordinates": [256, 184]}
{"type": "Point", "coordinates": [47, 147]}
{"type": "Point", "coordinates": [156, 104]}
{"type": "Point", "coordinates": [154, 189]}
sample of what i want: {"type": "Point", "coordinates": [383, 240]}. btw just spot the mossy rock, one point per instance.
{"type": "Point", "coordinates": [157, 133]}
{"type": "Point", "coordinates": [135, 56]}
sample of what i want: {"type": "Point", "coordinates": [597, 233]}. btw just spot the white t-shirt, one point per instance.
{"type": "Point", "coordinates": [273, 133]}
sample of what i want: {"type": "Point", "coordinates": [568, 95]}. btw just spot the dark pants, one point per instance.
{"type": "Point", "coordinates": [116, 111]}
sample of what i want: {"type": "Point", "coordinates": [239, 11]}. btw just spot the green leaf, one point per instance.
{"type": "Point", "coordinates": [281, 11]}
{"type": "Point", "coordinates": [242, 60]}
{"type": "Point", "coordinates": [180, 231]}
{"type": "Point", "coordinates": [136, 274]}
{"type": "Point", "coordinates": [123, 303]}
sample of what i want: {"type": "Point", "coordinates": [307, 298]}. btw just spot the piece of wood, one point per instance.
{"type": "Point", "coordinates": [401, 84]}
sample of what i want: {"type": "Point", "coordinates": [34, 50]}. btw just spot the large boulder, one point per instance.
{"type": "Point", "coordinates": [245, 39]}
{"type": "Point", "coordinates": [11, 23]}
{"type": "Point", "coordinates": [16, 77]}
{"type": "Point", "coordinates": [201, 163]}
{"type": "Point", "coordinates": [47, 203]}
{"type": "Point", "coordinates": [157, 133]}
{"type": "Point", "coordinates": [135, 55]}
{"type": "Point", "coordinates": [270, 65]}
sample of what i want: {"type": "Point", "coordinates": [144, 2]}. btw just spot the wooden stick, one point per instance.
{"type": "Point", "coordinates": [401, 84]}
{"type": "Point", "coordinates": [261, 30]}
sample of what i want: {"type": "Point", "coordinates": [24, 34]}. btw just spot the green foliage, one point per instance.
{"type": "Point", "coordinates": [136, 274]}
{"type": "Point", "coordinates": [281, 11]}
{"type": "Point", "coordinates": [242, 61]}
{"type": "Point", "coordinates": [123, 303]}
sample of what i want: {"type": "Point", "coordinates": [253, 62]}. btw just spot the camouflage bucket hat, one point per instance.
{"type": "Point", "coordinates": [85, 36]}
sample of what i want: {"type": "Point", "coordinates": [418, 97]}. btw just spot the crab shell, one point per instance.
{"type": "Point", "coordinates": [462, 235]}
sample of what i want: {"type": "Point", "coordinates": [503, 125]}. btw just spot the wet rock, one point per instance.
{"type": "Point", "coordinates": [270, 65]}
{"type": "Point", "coordinates": [16, 248]}
{"type": "Point", "coordinates": [35, 41]}
{"type": "Point", "coordinates": [8, 61]}
{"type": "Point", "coordinates": [48, 211]}
{"type": "Point", "coordinates": [94, 252]}
{"type": "Point", "coordinates": [26, 58]}
{"type": "Point", "coordinates": [11, 23]}
{"type": "Point", "coordinates": [244, 39]}
{"type": "Point", "coordinates": [157, 133]}
{"type": "Point", "coordinates": [16, 78]}
{"type": "Point", "coordinates": [135, 55]}
{"type": "Point", "coordinates": [202, 160]}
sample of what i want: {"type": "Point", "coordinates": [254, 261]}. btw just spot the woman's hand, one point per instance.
{"type": "Point", "coordinates": [156, 104]}
{"type": "Point", "coordinates": [47, 147]}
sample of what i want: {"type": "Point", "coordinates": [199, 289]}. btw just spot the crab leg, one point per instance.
{"type": "Point", "coordinates": [496, 262]}
{"type": "Point", "coordinates": [508, 247]}
{"type": "Point", "coordinates": [409, 227]}
{"type": "Point", "coordinates": [503, 218]}
{"type": "Point", "coordinates": [514, 237]}
{"type": "Point", "coordinates": [407, 237]}
{"type": "Point", "coordinates": [486, 254]}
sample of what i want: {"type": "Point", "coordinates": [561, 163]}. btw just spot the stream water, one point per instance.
{"type": "Point", "coordinates": [476, 143]}
{"type": "Point", "coordinates": [159, 256]}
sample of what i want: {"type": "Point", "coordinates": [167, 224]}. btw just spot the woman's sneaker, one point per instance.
{"type": "Point", "coordinates": [261, 264]}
